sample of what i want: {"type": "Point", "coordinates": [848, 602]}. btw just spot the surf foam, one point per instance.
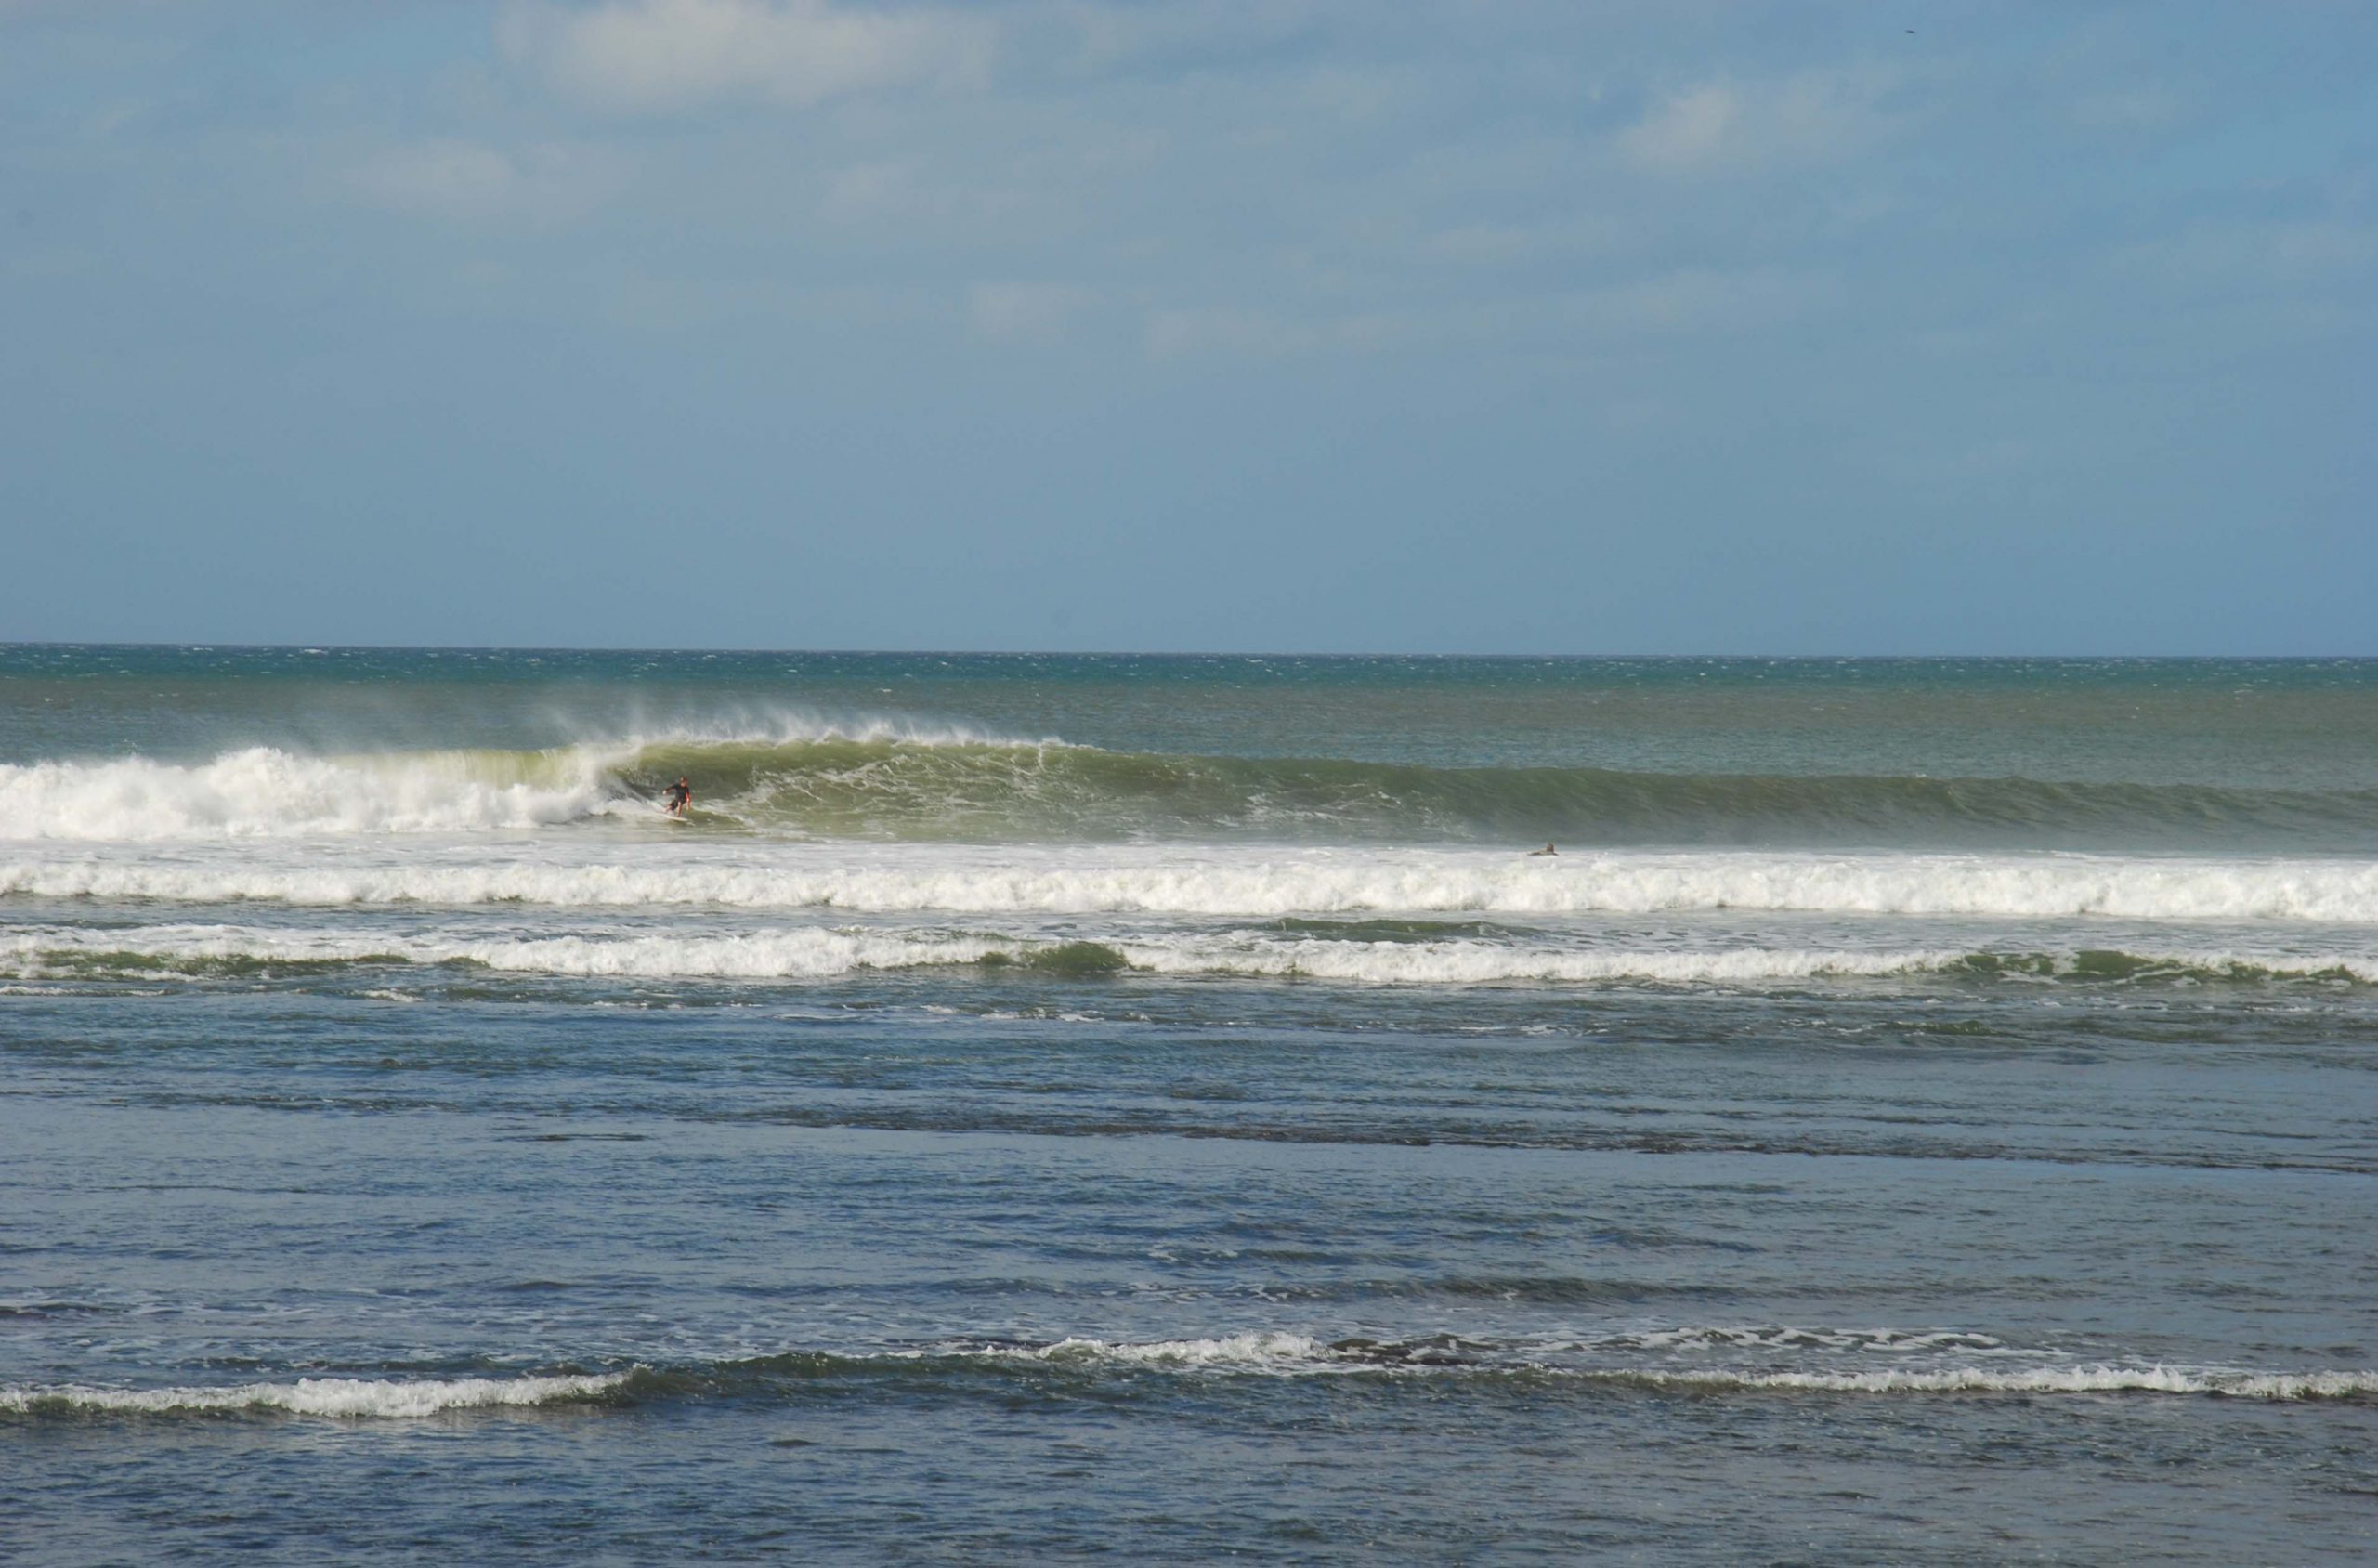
{"type": "Point", "coordinates": [353, 1397]}
{"type": "Point", "coordinates": [910, 879]}
{"type": "Point", "coordinates": [808, 953]}
{"type": "Point", "coordinates": [2273, 1386]}
{"type": "Point", "coordinates": [1292, 1354]}
{"type": "Point", "coordinates": [264, 792]}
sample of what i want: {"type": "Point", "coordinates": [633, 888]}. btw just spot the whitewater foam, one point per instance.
{"type": "Point", "coordinates": [2273, 1386]}
{"type": "Point", "coordinates": [266, 793]}
{"type": "Point", "coordinates": [1049, 880]}
{"type": "Point", "coordinates": [1297, 1355]}
{"type": "Point", "coordinates": [353, 1397]}
{"type": "Point", "coordinates": [806, 953]}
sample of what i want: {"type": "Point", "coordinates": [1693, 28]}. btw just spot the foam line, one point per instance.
{"type": "Point", "coordinates": [1293, 1355]}
{"type": "Point", "coordinates": [355, 1397]}
{"type": "Point", "coordinates": [2273, 1386]}
{"type": "Point", "coordinates": [1208, 883]}
{"type": "Point", "coordinates": [817, 953]}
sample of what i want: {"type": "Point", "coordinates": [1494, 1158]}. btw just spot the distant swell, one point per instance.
{"type": "Point", "coordinates": [890, 782]}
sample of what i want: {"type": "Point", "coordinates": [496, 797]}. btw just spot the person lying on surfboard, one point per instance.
{"type": "Point", "coordinates": [679, 796]}
{"type": "Point", "coordinates": [1548, 849]}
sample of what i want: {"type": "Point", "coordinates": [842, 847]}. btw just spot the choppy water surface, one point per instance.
{"type": "Point", "coordinates": [1040, 1106]}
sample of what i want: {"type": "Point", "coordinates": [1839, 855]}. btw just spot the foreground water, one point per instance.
{"type": "Point", "coordinates": [1040, 1106]}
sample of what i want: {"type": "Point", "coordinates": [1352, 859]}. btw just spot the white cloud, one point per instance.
{"type": "Point", "coordinates": [462, 179]}
{"type": "Point", "coordinates": [662, 54]}
{"type": "Point", "coordinates": [1691, 129]}
{"type": "Point", "coordinates": [1719, 127]}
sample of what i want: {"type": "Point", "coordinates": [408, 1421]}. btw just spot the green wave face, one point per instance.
{"type": "Point", "coordinates": [899, 789]}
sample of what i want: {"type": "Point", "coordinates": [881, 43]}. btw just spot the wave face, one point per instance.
{"type": "Point", "coordinates": [893, 783]}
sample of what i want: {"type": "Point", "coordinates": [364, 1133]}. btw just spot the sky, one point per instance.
{"type": "Point", "coordinates": [1495, 326]}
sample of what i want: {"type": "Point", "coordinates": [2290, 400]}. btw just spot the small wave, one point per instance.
{"type": "Point", "coordinates": [1253, 1351]}
{"type": "Point", "coordinates": [2273, 1386]}
{"type": "Point", "coordinates": [355, 1397]}
{"type": "Point", "coordinates": [1875, 1341]}
{"type": "Point", "coordinates": [1244, 1355]}
{"type": "Point", "coordinates": [1292, 1354]}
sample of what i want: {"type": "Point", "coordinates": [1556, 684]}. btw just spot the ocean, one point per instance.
{"type": "Point", "coordinates": [1157, 1108]}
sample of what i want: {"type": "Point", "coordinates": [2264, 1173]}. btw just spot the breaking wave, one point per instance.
{"type": "Point", "coordinates": [1251, 884]}
{"type": "Point", "coordinates": [1713, 1360]}
{"type": "Point", "coordinates": [812, 953]}
{"type": "Point", "coordinates": [890, 782]}
{"type": "Point", "coordinates": [959, 1368]}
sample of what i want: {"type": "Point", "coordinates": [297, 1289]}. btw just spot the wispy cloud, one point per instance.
{"type": "Point", "coordinates": [1022, 312]}
{"type": "Point", "coordinates": [1725, 127]}
{"type": "Point", "coordinates": [2291, 254]}
{"type": "Point", "coordinates": [464, 180]}
{"type": "Point", "coordinates": [656, 55]}
{"type": "Point", "coordinates": [1264, 334]}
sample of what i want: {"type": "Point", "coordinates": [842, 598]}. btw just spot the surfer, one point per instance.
{"type": "Point", "coordinates": [1548, 849]}
{"type": "Point", "coordinates": [679, 795]}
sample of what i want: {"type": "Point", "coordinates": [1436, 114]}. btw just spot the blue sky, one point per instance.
{"type": "Point", "coordinates": [1896, 327]}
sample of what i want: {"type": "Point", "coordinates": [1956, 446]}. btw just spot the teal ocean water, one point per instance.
{"type": "Point", "coordinates": [1037, 1106]}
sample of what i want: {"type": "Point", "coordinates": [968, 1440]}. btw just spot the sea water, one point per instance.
{"type": "Point", "coordinates": [1156, 1106]}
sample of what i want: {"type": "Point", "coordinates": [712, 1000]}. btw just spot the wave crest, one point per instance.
{"type": "Point", "coordinates": [887, 780]}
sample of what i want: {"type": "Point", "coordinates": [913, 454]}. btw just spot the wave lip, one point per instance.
{"type": "Point", "coordinates": [350, 1397]}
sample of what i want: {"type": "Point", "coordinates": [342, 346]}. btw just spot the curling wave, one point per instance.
{"type": "Point", "coordinates": [890, 783]}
